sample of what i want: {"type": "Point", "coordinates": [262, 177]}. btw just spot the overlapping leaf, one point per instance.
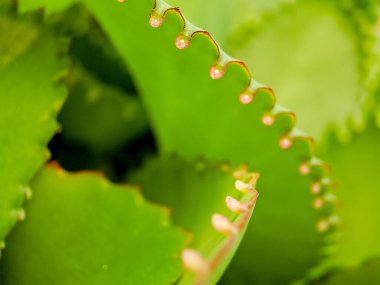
{"type": "Point", "coordinates": [357, 183]}
{"type": "Point", "coordinates": [195, 192]}
{"type": "Point", "coordinates": [81, 229]}
{"type": "Point", "coordinates": [30, 66]}
{"type": "Point", "coordinates": [358, 187]}
{"type": "Point", "coordinates": [194, 115]}
{"type": "Point", "coordinates": [300, 45]}
{"type": "Point", "coordinates": [295, 42]}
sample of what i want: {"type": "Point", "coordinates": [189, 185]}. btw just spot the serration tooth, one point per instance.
{"type": "Point", "coordinates": [223, 225]}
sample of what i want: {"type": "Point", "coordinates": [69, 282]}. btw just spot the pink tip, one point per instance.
{"type": "Point", "coordinates": [222, 224]}
{"type": "Point", "coordinates": [304, 168]}
{"type": "Point", "coordinates": [268, 120]}
{"type": "Point", "coordinates": [235, 205]}
{"type": "Point", "coordinates": [246, 98]}
{"type": "Point", "coordinates": [155, 20]}
{"type": "Point", "coordinates": [285, 142]}
{"type": "Point", "coordinates": [242, 186]}
{"type": "Point", "coordinates": [323, 225]}
{"type": "Point", "coordinates": [193, 260]}
{"type": "Point", "coordinates": [217, 71]}
{"type": "Point", "coordinates": [315, 188]}
{"type": "Point", "coordinates": [318, 203]}
{"type": "Point", "coordinates": [182, 41]}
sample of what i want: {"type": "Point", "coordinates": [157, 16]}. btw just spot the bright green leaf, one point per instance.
{"type": "Point", "coordinates": [297, 48]}
{"type": "Point", "coordinates": [358, 188]}
{"type": "Point", "coordinates": [195, 192]}
{"type": "Point", "coordinates": [30, 96]}
{"type": "Point", "coordinates": [81, 229]}
{"type": "Point", "coordinates": [193, 115]}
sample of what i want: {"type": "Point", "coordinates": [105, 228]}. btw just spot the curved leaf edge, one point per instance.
{"type": "Point", "coordinates": [60, 80]}
{"type": "Point", "coordinates": [101, 182]}
{"type": "Point", "coordinates": [105, 181]}
{"type": "Point", "coordinates": [370, 118]}
{"type": "Point", "coordinates": [313, 167]}
{"type": "Point", "coordinates": [207, 269]}
{"type": "Point", "coordinates": [365, 24]}
{"type": "Point", "coordinates": [203, 269]}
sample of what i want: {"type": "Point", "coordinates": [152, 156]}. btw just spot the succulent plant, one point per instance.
{"type": "Point", "coordinates": [296, 45]}
{"type": "Point", "coordinates": [135, 90]}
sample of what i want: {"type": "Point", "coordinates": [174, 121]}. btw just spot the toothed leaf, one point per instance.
{"type": "Point", "coordinates": [358, 188]}
{"type": "Point", "coordinates": [194, 115]}
{"type": "Point", "coordinates": [195, 192]}
{"type": "Point", "coordinates": [30, 98]}
{"type": "Point", "coordinates": [222, 18]}
{"type": "Point", "coordinates": [81, 229]}
{"type": "Point", "coordinates": [299, 51]}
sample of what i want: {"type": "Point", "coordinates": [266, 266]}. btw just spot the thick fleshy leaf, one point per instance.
{"type": "Point", "coordinates": [81, 229]}
{"type": "Point", "coordinates": [195, 192]}
{"type": "Point", "coordinates": [194, 115]}
{"type": "Point", "coordinates": [30, 97]}
{"type": "Point", "coordinates": [299, 45]}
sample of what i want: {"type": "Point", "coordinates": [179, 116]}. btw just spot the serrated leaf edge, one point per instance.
{"type": "Point", "coordinates": [311, 166]}
{"type": "Point", "coordinates": [202, 266]}
{"type": "Point", "coordinates": [59, 79]}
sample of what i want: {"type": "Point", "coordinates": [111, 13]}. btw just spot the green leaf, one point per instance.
{"type": "Point", "coordinates": [223, 17]}
{"type": "Point", "coordinates": [96, 53]}
{"type": "Point", "coordinates": [30, 97]}
{"type": "Point", "coordinates": [300, 53]}
{"type": "Point", "coordinates": [81, 229]}
{"type": "Point", "coordinates": [100, 116]}
{"type": "Point", "coordinates": [11, 46]}
{"type": "Point", "coordinates": [355, 242]}
{"type": "Point", "coordinates": [49, 5]}
{"type": "Point", "coordinates": [195, 192]}
{"type": "Point", "coordinates": [297, 48]}
{"type": "Point", "coordinates": [356, 166]}
{"type": "Point", "coordinates": [193, 115]}
{"type": "Point", "coordinates": [367, 273]}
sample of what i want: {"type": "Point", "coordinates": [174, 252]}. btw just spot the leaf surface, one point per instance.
{"type": "Point", "coordinates": [30, 96]}
{"type": "Point", "coordinates": [194, 115]}
{"type": "Point", "coordinates": [195, 192]}
{"type": "Point", "coordinates": [85, 230]}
